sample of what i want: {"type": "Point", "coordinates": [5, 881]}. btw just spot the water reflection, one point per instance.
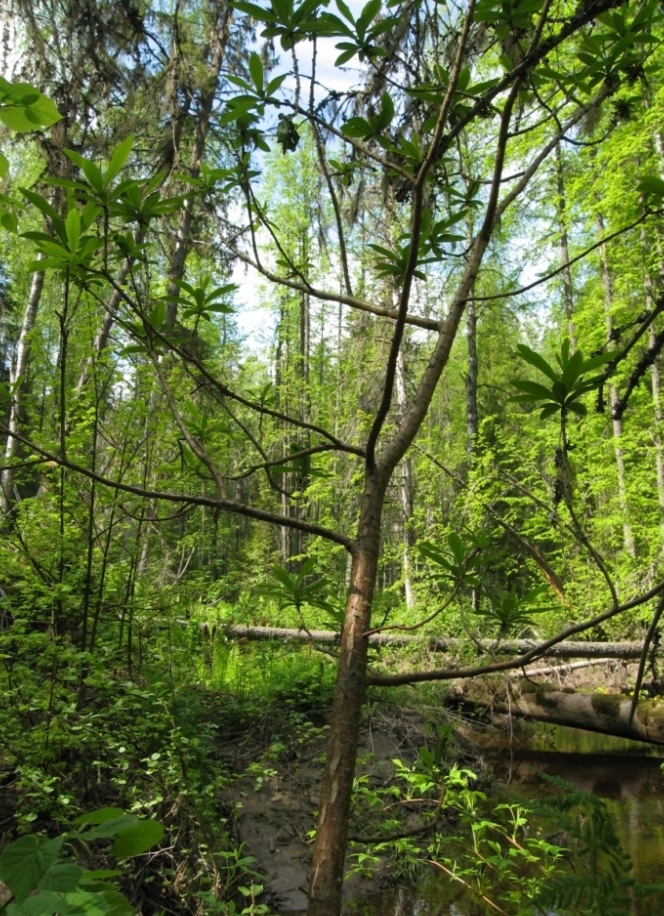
{"type": "Point", "coordinates": [624, 773]}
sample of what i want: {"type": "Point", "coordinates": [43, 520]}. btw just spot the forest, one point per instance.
{"type": "Point", "coordinates": [321, 317]}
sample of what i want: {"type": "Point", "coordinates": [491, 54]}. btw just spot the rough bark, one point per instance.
{"type": "Point", "coordinates": [516, 647]}
{"type": "Point", "coordinates": [325, 882]}
{"type": "Point", "coordinates": [597, 712]}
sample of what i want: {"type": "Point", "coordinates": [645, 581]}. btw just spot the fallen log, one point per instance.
{"type": "Point", "coordinates": [516, 647]}
{"type": "Point", "coordinates": [608, 714]}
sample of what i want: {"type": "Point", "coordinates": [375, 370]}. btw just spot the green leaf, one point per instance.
{"type": "Point", "coordinates": [534, 359]}
{"type": "Point", "coordinates": [73, 226]}
{"type": "Point", "coordinates": [533, 389]}
{"type": "Point", "coordinates": [4, 165]}
{"type": "Point", "coordinates": [23, 108]}
{"type": "Point", "coordinates": [573, 369]}
{"type": "Point", "coordinates": [549, 410]}
{"type": "Point", "coordinates": [108, 827]}
{"type": "Point", "coordinates": [138, 839]}
{"type": "Point", "coordinates": [357, 127]}
{"type": "Point", "coordinates": [456, 546]}
{"type": "Point", "coordinates": [651, 186]}
{"type": "Point", "coordinates": [9, 221]}
{"type": "Point", "coordinates": [62, 877]}
{"type": "Point", "coordinates": [256, 71]}
{"type": "Point", "coordinates": [157, 316]}
{"type": "Point", "coordinates": [26, 861]}
{"type": "Point", "coordinates": [118, 159]}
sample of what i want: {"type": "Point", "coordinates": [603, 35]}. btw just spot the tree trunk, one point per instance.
{"type": "Point", "coordinates": [595, 712]}
{"type": "Point", "coordinates": [471, 380]}
{"type": "Point", "coordinates": [221, 31]}
{"type": "Point", "coordinates": [325, 882]}
{"type": "Point", "coordinates": [628, 535]}
{"type": "Point", "coordinates": [568, 294]}
{"type": "Point", "coordinates": [515, 647]}
{"type": "Point", "coordinates": [406, 492]}
{"type": "Point", "coordinates": [17, 374]}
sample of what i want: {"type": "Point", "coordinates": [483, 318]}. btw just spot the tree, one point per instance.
{"type": "Point", "coordinates": [517, 78]}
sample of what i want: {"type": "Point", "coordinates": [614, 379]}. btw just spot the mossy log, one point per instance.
{"type": "Point", "coordinates": [608, 714]}
{"type": "Point", "coordinates": [516, 647]}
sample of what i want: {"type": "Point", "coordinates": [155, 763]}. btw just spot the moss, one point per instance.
{"type": "Point", "coordinates": [606, 704]}
{"type": "Point", "coordinates": [547, 697]}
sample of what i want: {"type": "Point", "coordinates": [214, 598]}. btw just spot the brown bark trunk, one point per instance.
{"type": "Point", "coordinates": [329, 854]}
{"type": "Point", "coordinates": [595, 712]}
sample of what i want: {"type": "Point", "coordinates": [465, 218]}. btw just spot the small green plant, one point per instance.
{"type": "Point", "coordinates": [565, 384]}
{"type": "Point", "coordinates": [44, 878]}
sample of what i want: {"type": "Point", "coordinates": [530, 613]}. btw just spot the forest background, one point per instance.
{"type": "Point", "coordinates": [446, 418]}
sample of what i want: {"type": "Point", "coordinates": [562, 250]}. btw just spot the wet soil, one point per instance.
{"type": "Point", "coordinates": [275, 809]}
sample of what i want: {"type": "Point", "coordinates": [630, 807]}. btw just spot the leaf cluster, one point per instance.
{"type": "Point", "coordinates": [44, 883]}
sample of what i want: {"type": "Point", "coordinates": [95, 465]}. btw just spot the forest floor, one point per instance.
{"type": "Point", "coordinates": [275, 807]}
{"type": "Point", "coordinates": [275, 802]}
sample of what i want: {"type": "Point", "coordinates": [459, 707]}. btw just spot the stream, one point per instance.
{"type": "Point", "coordinates": [626, 774]}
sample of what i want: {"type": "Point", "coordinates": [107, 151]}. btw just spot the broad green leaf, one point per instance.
{"type": "Point", "coordinates": [533, 389]}
{"type": "Point", "coordinates": [44, 206]}
{"type": "Point", "coordinates": [573, 369]}
{"type": "Point", "coordinates": [118, 159]}
{"type": "Point", "coordinates": [283, 576]}
{"type": "Point", "coordinates": [108, 827]}
{"type": "Point", "coordinates": [256, 71]}
{"type": "Point", "coordinates": [62, 877]}
{"type": "Point", "coordinates": [4, 165]}
{"type": "Point", "coordinates": [23, 108]}
{"type": "Point", "coordinates": [534, 359]}
{"type": "Point", "coordinates": [138, 839]}
{"type": "Point", "coordinates": [594, 362]}
{"type": "Point", "coordinates": [9, 221]}
{"type": "Point", "coordinates": [651, 186]}
{"type": "Point", "coordinates": [73, 225]}
{"type": "Point", "coordinates": [549, 410]}
{"type": "Point", "coordinates": [456, 546]}
{"type": "Point", "coordinates": [357, 127]}
{"type": "Point", "coordinates": [26, 861]}
{"type": "Point", "coordinates": [157, 316]}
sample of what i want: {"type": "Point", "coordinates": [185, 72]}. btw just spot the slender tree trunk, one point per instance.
{"type": "Point", "coordinates": [406, 492]}
{"type": "Point", "coordinates": [654, 369]}
{"type": "Point", "coordinates": [326, 878]}
{"type": "Point", "coordinates": [17, 373]}
{"type": "Point", "coordinates": [183, 235]}
{"type": "Point", "coordinates": [568, 293]}
{"type": "Point", "coordinates": [628, 535]}
{"type": "Point", "coordinates": [655, 385]}
{"type": "Point", "coordinates": [103, 335]}
{"type": "Point", "coordinates": [472, 426]}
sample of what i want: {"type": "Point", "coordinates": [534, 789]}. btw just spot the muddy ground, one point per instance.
{"type": "Point", "coordinates": [275, 806]}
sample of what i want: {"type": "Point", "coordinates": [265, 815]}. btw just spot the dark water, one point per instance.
{"type": "Point", "coordinates": [626, 774]}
